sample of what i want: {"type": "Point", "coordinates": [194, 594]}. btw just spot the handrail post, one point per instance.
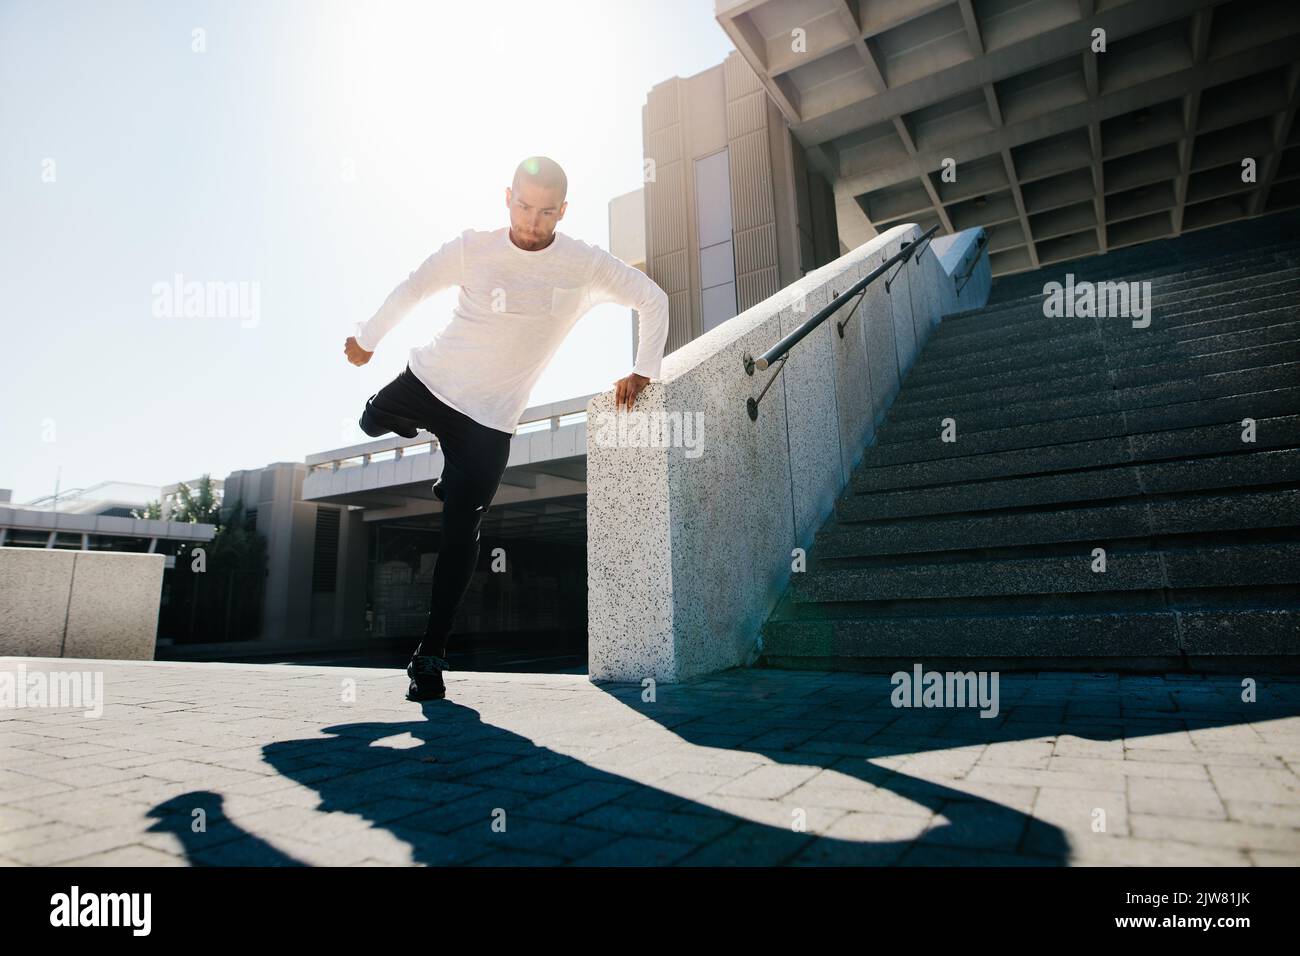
{"type": "Point", "coordinates": [979, 246]}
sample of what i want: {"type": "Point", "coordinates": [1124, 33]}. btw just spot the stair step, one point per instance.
{"type": "Point", "coordinates": [918, 440]}
{"type": "Point", "coordinates": [1129, 518]}
{"type": "Point", "coordinates": [1122, 372]}
{"type": "Point", "coordinates": [927, 447]}
{"type": "Point", "coordinates": [1142, 570]}
{"type": "Point", "coordinates": [944, 348]}
{"type": "Point", "coordinates": [1284, 327]}
{"type": "Point", "coordinates": [1164, 633]}
{"type": "Point", "coordinates": [1010, 289]}
{"type": "Point", "coordinates": [1246, 470]}
{"type": "Point", "coordinates": [1205, 278]}
{"type": "Point", "coordinates": [1034, 406]}
{"type": "Point", "coordinates": [1088, 343]}
{"type": "Point", "coordinates": [1179, 368]}
{"type": "Point", "coordinates": [1279, 432]}
{"type": "Point", "coordinates": [1188, 257]}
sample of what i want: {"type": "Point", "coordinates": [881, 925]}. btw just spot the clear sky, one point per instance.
{"type": "Point", "coordinates": [317, 150]}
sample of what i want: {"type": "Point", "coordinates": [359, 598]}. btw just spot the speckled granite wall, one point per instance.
{"type": "Point", "coordinates": [689, 545]}
{"type": "Point", "coordinates": [98, 604]}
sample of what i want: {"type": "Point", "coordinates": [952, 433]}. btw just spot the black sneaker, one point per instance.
{"type": "Point", "coordinates": [425, 671]}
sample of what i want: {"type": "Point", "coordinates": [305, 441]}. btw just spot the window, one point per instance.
{"type": "Point", "coordinates": [717, 259]}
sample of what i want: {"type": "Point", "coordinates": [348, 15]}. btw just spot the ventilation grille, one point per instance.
{"type": "Point", "coordinates": [325, 561]}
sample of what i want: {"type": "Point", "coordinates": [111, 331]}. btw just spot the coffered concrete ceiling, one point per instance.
{"type": "Point", "coordinates": [1059, 151]}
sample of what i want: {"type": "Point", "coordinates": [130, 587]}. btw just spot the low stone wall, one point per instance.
{"type": "Point", "coordinates": [91, 604]}
{"type": "Point", "coordinates": [694, 511]}
{"type": "Point", "coordinates": [965, 257]}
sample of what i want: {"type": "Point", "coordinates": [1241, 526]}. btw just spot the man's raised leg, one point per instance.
{"type": "Point", "coordinates": [397, 408]}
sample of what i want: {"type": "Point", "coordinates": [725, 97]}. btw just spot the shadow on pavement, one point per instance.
{"type": "Point", "coordinates": [438, 783]}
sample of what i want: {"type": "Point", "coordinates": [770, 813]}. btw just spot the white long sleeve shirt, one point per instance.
{"type": "Point", "coordinates": [514, 310]}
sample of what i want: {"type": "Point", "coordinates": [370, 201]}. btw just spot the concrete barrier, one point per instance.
{"type": "Point", "coordinates": [689, 548]}
{"type": "Point", "coordinates": [88, 604]}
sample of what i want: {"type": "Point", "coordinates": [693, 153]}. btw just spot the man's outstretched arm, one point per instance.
{"type": "Point", "coordinates": [440, 270]}
{"type": "Point", "coordinates": [615, 281]}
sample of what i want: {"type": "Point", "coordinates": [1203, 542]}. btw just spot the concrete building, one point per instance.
{"type": "Point", "coordinates": [96, 518]}
{"type": "Point", "coordinates": [1070, 127]}
{"type": "Point", "coordinates": [733, 210]}
{"type": "Point", "coordinates": [627, 238]}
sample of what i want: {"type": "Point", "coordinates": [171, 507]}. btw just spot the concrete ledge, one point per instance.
{"type": "Point", "coordinates": [694, 510]}
{"type": "Point", "coordinates": [964, 258]}
{"type": "Point", "coordinates": [92, 604]}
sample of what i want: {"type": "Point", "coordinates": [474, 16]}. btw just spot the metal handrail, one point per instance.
{"type": "Point", "coordinates": [785, 344]}
{"type": "Point", "coordinates": [975, 260]}
{"type": "Point", "coordinates": [924, 240]}
{"type": "Point", "coordinates": [780, 351]}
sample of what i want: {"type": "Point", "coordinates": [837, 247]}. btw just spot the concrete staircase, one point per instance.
{"type": "Point", "coordinates": [1074, 434]}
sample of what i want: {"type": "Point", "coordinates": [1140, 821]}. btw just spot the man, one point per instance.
{"type": "Point", "coordinates": [522, 288]}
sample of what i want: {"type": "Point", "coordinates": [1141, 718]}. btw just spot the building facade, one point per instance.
{"type": "Point", "coordinates": [733, 211]}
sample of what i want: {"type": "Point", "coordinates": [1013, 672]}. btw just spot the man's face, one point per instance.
{"type": "Point", "coordinates": [534, 213]}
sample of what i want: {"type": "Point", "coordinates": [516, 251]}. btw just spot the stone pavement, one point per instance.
{"type": "Point", "coordinates": [293, 765]}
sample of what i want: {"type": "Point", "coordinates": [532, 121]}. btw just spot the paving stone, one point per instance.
{"type": "Point", "coordinates": [133, 855]}
{"type": "Point", "coordinates": [1226, 758]}
{"type": "Point", "coordinates": [1028, 753]}
{"type": "Point", "coordinates": [13, 841]}
{"type": "Point", "coordinates": [14, 818]}
{"type": "Point", "coordinates": [768, 782]}
{"type": "Point", "coordinates": [1068, 745]}
{"type": "Point", "coordinates": [1134, 766]}
{"type": "Point", "coordinates": [836, 852]}
{"type": "Point", "coordinates": [648, 798]}
{"type": "Point", "coordinates": [1076, 810]}
{"type": "Point", "coordinates": [518, 858]}
{"type": "Point", "coordinates": [1029, 777]}
{"type": "Point", "coordinates": [476, 807]}
{"type": "Point", "coordinates": [1012, 796]}
{"type": "Point", "coordinates": [637, 851]}
{"type": "Point", "coordinates": [750, 845]}
{"type": "Point", "coordinates": [532, 835]}
{"type": "Point", "coordinates": [1221, 833]}
{"type": "Point", "coordinates": [949, 764]}
{"type": "Point", "coordinates": [1264, 814]}
{"type": "Point", "coordinates": [1270, 858]}
{"type": "Point", "coordinates": [881, 827]}
{"type": "Point", "coordinates": [692, 828]}
{"type": "Point", "coordinates": [509, 781]}
{"type": "Point", "coordinates": [579, 798]}
{"type": "Point", "coordinates": [86, 843]}
{"type": "Point", "coordinates": [1248, 783]}
{"type": "Point", "coordinates": [1095, 849]}
{"type": "Point", "coordinates": [834, 798]}
{"type": "Point", "coordinates": [692, 785]}
{"type": "Point", "coordinates": [1185, 775]}
{"type": "Point", "coordinates": [1175, 798]}
{"type": "Point", "coordinates": [931, 855]}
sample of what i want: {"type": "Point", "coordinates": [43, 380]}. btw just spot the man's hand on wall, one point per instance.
{"type": "Point", "coordinates": [627, 389]}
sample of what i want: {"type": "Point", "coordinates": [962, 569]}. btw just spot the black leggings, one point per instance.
{"type": "Point", "coordinates": [474, 459]}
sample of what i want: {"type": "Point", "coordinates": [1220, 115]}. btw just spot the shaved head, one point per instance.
{"type": "Point", "coordinates": [544, 172]}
